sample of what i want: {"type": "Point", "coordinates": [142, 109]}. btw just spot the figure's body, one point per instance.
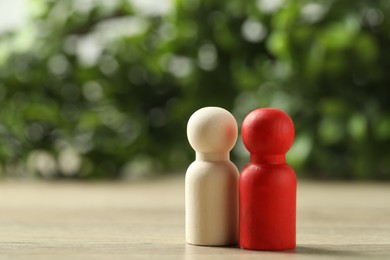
{"type": "Point", "coordinates": [212, 203]}
{"type": "Point", "coordinates": [267, 183]}
{"type": "Point", "coordinates": [211, 184]}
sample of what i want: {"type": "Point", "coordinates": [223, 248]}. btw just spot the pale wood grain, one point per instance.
{"type": "Point", "coordinates": [146, 221]}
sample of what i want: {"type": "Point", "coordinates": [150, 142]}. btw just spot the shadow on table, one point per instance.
{"type": "Point", "coordinates": [334, 251]}
{"type": "Point", "coordinates": [310, 251]}
{"type": "Point", "coordinates": [353, 250]}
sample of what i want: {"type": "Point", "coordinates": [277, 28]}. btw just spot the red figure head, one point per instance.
{"type": "Point", "coordinates": [268, 132]}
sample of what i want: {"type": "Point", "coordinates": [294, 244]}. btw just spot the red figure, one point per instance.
{"type": "Point", "coordinates": [267, 183]}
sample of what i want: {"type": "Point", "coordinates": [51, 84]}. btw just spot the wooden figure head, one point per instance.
{"type": "Point", "coordinates": [268, 131]}
{"type": "Point", "coordinates": [212, 130]}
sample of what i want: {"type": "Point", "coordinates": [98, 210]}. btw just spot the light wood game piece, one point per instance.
{"type": "Point", "coordinates": [211, 183]}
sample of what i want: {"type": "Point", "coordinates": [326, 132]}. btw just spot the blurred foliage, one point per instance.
{"type": "Point", "coordinates": [102, 89]}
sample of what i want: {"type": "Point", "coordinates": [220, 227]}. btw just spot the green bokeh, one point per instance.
{"type": "Point", "coordinates": [105, 90]}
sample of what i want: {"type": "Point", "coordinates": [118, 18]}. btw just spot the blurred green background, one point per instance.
{"type": "Point", "coordinates": [103, 89]}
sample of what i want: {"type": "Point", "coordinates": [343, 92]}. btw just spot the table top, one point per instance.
{"type": "Point", "coordinates": [145, 220]}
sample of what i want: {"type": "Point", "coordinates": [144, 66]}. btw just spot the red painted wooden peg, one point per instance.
{"type": "Point", "coordinates": [267, 186]}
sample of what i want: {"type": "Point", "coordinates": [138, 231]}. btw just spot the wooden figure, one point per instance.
{"type": "Point", "coordinates": [211, 183]}
{"type": "Point", "coordinates": [267, 184]}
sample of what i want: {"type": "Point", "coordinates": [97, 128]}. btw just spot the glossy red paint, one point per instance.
{"type": "Point", "coordinates": [267, 184]}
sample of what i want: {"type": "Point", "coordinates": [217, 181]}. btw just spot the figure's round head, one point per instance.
{"type": "Point", "coordinates": [212, 130]}
{"type": "Point", "coordinates": [268, 131]}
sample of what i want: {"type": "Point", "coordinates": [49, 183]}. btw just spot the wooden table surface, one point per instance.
{"type": "Point", "coordinates": [145, 220]}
